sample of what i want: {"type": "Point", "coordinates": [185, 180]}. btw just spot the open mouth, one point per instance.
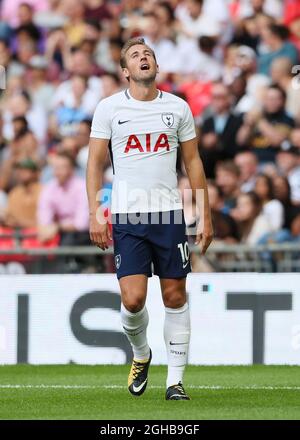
{"type": "Point", "coordinates": [145, 66]}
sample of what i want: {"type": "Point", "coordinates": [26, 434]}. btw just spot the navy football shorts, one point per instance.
{"type": "Point", "coordinates": [151, 240]}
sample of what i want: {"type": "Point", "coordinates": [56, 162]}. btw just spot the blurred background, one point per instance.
{"type": "Point", "coordinates": [234, 61]}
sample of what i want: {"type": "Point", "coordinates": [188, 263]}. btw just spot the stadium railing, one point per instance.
{"type": "Point", "coordinates": [220, 257]}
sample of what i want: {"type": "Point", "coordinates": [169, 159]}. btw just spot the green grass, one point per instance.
{"type": "Point", "coordinates": [248, 392]}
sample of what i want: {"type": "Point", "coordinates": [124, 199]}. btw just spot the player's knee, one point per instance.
{"type": "Point", "coordinates": [133, 302]}
{"type": "Point", "coordinates": [174, 298]}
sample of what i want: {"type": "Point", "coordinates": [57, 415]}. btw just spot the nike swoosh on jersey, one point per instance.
{"type": "Point", "coordinates": [123, 122]}
{"type": "Point", "coordinates": [137, 389]}
{"type": "Point", "coordinates": [177, 343]}
{"type": "Point", "coordinates": [184, 265]}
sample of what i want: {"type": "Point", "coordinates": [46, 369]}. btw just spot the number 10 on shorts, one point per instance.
{"type": "Point", "coordinates": [184, 252]}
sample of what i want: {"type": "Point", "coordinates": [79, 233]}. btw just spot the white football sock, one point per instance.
{"type": "Point", "coordinates": [135, 328]}
{"type": "Point", "coordinates": [177, 337]}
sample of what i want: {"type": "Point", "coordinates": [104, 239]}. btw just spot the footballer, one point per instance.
{"type": "Point", "coordinates": [142, 128]}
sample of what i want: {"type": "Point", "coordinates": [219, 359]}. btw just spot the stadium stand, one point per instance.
{"type": "Point", "coordinates": [236, 64]}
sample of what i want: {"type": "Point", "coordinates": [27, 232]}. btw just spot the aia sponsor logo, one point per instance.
{"type": "Point", "coordinates": [134, 142]}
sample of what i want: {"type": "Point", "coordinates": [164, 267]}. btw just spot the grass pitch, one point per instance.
{"type": "Point", "coordinates": [100, 392]}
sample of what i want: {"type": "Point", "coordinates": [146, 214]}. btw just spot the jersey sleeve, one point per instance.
{"type": "Point", "coordinates": [101, 124]}
{"type": "Point", "coordinates": [186, 129]}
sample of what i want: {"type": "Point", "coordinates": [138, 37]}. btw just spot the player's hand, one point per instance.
{"type": "Point", "coordinates": [204, 236]}
{"type": "Point", "coordinates": [100, 233]}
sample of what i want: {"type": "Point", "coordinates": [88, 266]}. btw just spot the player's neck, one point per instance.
{"type": "Point", "coordinates": [143, 92]}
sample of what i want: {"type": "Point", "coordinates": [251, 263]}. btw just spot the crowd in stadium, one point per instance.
{"type": "Point", "coordinates": [234, 61]}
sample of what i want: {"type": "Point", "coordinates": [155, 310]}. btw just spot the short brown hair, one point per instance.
{"type": "Point", "coordinates": [132, 42]}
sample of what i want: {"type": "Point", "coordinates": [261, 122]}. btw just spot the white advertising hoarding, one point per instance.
{"type": "Point", "coordinates": [235, 318]}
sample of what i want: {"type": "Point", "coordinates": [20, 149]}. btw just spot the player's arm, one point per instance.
{"type": "Point", "coordinates": [194, 168]}
{"type": "Point", "coordinates": [99, 230]}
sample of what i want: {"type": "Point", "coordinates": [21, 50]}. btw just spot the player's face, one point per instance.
{"type": "Point", "coordinates": [141, 64]}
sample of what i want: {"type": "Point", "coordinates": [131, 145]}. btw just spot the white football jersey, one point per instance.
{"type": "Point", "coordinates": [144, 137]}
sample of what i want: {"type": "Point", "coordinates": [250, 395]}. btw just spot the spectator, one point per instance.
{"type": "Point", "coordinates": [166, 19]}
{"type": "Point", "coordinates": [246, 33]}
{"type": "Point", "coordinates": [23, 146]}
{"type": "Point", "coordinates": [20, 105]}
{"type": "Point", "coordinates": [26, 23]}
{"type": "Point", "coordinates": [199, 63]}
{"type": "Point", "coordinates": [282, 192]}
{"type": "Point", "coordinates": [83, 133]}
{"type": "Point", "coordinates": [164, 48]}
{"type": "Point", "coordinates": [111, 61]}
{"type": "Point", "coordinates": [295, 138]}
{"type": "Point", "coordinates": [252, 223]}
{"type": "Point", "coordinates": [79, 63]}
{"type": "Point", "coordinates": [242, 102]}
{"type": "Point", "coordinates": [253, 7]}
{"type": "Point", "coordinates": [24, 143]}
{"type": "Point", "coordinates": [275, 38]}
{"type": "Point", "coordinates": [22, 202]}
{"type": "Point", "coordinates": [244, 64]}
{"type": "Point", "coordinates": [227, 179]}
{"type": "Point", "coordinates": [74, 27]}
{"type": "Point", "coordinates": [92, 32]}
{"type": "Point", "coordinates": [63, 205]}
{"type": "Point", "coordinates": [110, 84]}
{"type": "Point", "coordinates": [6, 59]}
{"type": "Point", "coordinates": [247, 163]}
{"type": "Point", "coordinates": [26, 43]}
{"type": "Point", "coordinates": [281, 72]}
{"type": "Point", "coordinates": [77, 106]}
{"type": "Point", "coordinates": [40, 90]}
{"type": "Point", "coordinates": [25, 14]}
{"type": "Point", "coordinates": [288, 164]}
{"type": "Point", "coordinates": [224, 226]}
{"type": "Point", "coordinates": [230, 70]}
{"type": "Point", "coordinates": [100, 48]}
{"type": "Point", "coordinates": [292, 21]}
{"type": "Point", "coordinates": [218, 131]}
{"type": "Point", "coordinates": [10, 9]}
{"type": "Point", "coordinates": [14, 86]}
{"type": "Point", "coordinates": [217, 9]}
{"type": "Point", "coordinates": [194, 21]}
{"type": "Point", "coordinates": [271, 208]}
{"type": "Point", "coordinates": [97, 10]}
{"type": "Point", "coordinates": [69, 145]}
{"type": "Point", "coordinates": [264, 132]}
{"type": "Point", "coordinates": [83, 136]}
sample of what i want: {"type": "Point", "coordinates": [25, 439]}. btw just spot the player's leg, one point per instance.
{"type": "Point", "coordinates": [134, 317]}
{"type": "Point", "coordinates": [176, 334]}
{"type": "Point", "coordinates": [134, 314]}
{"type": "Point", "coordinates": [133, 266]}
{"type": "Point", "coordinates": [172, 264]}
